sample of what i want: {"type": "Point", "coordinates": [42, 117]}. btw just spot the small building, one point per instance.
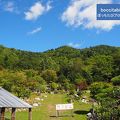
{"type": "Point", "coordinates": [8, 100]}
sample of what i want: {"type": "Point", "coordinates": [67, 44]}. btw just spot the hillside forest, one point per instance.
{"type": "Point", "coordinates": [68, 70]}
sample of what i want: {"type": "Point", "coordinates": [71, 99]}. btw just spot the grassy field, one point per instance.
{"type": "Point", "coordinates": [47, 110]}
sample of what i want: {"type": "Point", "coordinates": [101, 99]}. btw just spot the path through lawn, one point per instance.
{"type": "Point", "coordinates": [47, 110]}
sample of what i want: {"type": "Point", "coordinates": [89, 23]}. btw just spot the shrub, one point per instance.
{"type": "Point", "coordinates": [98, 87]}
{"type": "Point", "coordinates": [116, 80]}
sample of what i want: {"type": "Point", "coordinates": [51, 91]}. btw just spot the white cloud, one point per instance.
{"type": "Point", "coordinates": [48, 6]}
{"type": "Point", "coordinates": [9, 7]}
{"type": "Point", "coordinates": [83, 13]}
{"type": "Point", "coordinates": [74, 45]}
{"type": "Point", "coordinates": [35, 31]}
{"type": "Point", "coordinates": [37, 10]}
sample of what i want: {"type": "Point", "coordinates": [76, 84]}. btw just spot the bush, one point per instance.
{"type": "Point", "coordinates": [98, 87]}
{"type": "Point", "coordinates": [116, 80]}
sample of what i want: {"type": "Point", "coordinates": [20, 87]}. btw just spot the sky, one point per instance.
{"type": "Point", "coordinates": [40, 25]}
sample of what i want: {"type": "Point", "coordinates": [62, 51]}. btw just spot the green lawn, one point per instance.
{"type": "Point", "coordinates": [47, 110]}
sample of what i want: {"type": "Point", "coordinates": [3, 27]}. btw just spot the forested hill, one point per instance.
{"type": "Point", "coordinates": [17, 59]}
{"type": "Point", "coordinates": [64, 66]}
{"type": "Point", "coordinates": [70, 52]}
{"type": "Point", "coordinates": [65, 70]}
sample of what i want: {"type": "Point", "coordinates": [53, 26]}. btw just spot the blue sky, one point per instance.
{"type": "Point", "coordinates": [35, 25]}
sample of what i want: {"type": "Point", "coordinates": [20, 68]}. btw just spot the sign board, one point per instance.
{"type": "Point", "coordinates": [108, 11]}
{"type": "Point", "coordinates": [64, 106]}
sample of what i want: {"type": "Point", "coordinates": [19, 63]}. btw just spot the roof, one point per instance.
{"type": "Point", "coordinates": [8, 100]}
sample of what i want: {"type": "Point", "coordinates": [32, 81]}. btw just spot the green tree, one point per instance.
{"type": "Point", "coordinates": [49, 63]}
{"type": "Point", "coordinates": [116, 80]}
{"type": "Point", "coordinates": [41, 85]}
{"type": "Point", "coordinates": [98, 87]}
{"type": "Point", "coordinates": [54, 86]}
{"type": "Point", "coordinates": [101, 67]}
{"type": "Point", "coordinates": [49, 76]}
